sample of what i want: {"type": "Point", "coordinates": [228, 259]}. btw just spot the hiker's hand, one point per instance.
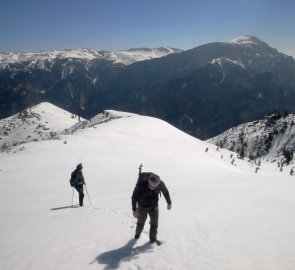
{"type": "Point", "coordinates": [169, 206]}
{"type": "Point", "coordinates": [135, 214]}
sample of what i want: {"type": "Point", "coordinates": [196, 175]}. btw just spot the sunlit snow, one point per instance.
{"type": "Point", "coordinates": [224, 216]}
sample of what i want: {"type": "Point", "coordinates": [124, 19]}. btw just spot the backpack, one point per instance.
{"type": "Point", "coordinates": [143, 177]}
{"type": "Point", "coordinates": [73, 179]}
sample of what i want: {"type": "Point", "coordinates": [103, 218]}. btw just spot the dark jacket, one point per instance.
{"type": "Point", "coordinates": [145, 197]}
{"type": "Point", "coordinates": [77, 178]}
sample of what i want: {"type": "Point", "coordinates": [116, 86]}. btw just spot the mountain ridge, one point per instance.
{"type": "Point", "coordinates": [125, 57]}
{"type": "Point", "coordinates": [40, 122]}
{"type": "Point", "coordinates": [272, 137]}
{"type": "Point", "coordinates": [179, 88]}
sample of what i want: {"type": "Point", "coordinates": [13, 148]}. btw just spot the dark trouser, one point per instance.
{"type": "Point", "coordinates": [79, 188]}
{"type": "Point", "coordinates": [153, 212]}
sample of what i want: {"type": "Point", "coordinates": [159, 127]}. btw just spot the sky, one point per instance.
{"type": "Point", "coordinates": [35, 25]}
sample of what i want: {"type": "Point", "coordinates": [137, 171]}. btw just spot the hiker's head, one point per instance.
{"type": "Point", "coordinates": [154, 181]}
{"type": "Point", "coordinates": [79, 167]}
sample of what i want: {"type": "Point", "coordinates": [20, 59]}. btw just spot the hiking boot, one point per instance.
{"type": "Point", "coordinates": [153, 240]}
{"type": "Point", "coordinates": [136, 236]}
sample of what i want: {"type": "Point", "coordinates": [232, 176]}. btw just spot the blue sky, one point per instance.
{"type": "Point", "coordinates": [34, 25]}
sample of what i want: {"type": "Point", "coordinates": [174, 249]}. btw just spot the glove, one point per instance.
{"type": "Point", "coordinates": [169, 206]}
{"type": "Point", "coordinates": [135, 214]}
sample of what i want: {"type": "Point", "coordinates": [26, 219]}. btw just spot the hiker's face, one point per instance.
{"type": "Point", "coordinates": [153, 186]}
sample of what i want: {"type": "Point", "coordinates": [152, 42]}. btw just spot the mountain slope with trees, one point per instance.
{"type": "Point", "coordinates": [203, 91]}
{"type": "Point", "coordinates": [271, 138]}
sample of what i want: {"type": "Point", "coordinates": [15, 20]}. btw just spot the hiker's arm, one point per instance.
{"type": "Point", "coordinates": [166, 193]}
{"type": "Point", "coordinates": [134, 198]}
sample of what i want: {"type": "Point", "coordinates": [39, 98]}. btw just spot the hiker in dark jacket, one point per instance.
{"type": "Point", "coordinates": [77, 181]}
{"type": "Point", "coordinates": [145, 199]}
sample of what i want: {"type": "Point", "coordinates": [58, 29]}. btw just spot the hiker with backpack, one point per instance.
{"type": "Point", "coordinates": [77, 181]}
{"type": "Point", "coordinates": [145, 199]}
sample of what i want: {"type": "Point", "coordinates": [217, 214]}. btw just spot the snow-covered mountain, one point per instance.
{"type": "Point", "coordinates": [233, 82]}
{"type": "Point", "coordinates": [272, 137]}
{"type": "Point", "coordinates": [256, 56]}
{"type": "Point", "coordinates": [103, 117]}
{"type": "Point", "coordinates": [223, 216]}
{"type": "Point", "coordinates": [125, 57]}
{"type": "Point", "coordinates": [41, 122]}
{"type": "Point", "coordinates": [212, 87]}
{"type": "Point", "coordinates": [250, 41]}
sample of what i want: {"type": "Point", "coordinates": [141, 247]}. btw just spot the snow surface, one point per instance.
{"type": "Point", "coordinates": [246, 40]}
{"type": "Point", "coordinates": [223, 216]}
{"type": "Point", "coordinates": [221, 62]}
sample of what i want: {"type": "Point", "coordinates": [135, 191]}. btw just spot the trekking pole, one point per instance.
{"type": "Point", "coordinates": [87, 194]}
{"type": "Point", "coordinates": [73, 198]}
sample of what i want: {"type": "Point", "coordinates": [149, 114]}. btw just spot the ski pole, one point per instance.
{"type": "Point", "coordinates": [88, 195]}
{"type": "Point", "coordinates": [73, 198]}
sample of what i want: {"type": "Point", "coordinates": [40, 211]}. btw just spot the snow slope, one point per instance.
{"type": "Point", "coordinates": [223, 216]}
{"type": "Point", "coordinates": [41, 122]}
{"type": "Point", "coordinates": [247, 41]}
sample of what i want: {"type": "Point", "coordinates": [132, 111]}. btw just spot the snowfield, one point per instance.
{"type": "Point", "coordinates": [126, 57]}
{"type": "Point", "coordinates": [223, 216]}
{"type": "Point", "coordinates": [41, 122]}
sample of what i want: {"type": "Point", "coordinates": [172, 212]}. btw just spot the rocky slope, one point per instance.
{"type": "Point", "coordinates": [272, 137]}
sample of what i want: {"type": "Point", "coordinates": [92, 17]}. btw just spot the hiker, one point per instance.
{"type": "Point", "coordinates": [145, 199]}
{"type": "Point", "coordinates": [77, 181]}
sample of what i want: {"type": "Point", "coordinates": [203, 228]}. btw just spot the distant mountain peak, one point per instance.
{"type": "Point", "coordinates": [247, 40]}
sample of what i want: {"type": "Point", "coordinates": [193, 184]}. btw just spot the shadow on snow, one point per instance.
{"type": "Point", "coordinates": [65, 207]}
{"type": "Point", "coordinates": [128, 252]}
